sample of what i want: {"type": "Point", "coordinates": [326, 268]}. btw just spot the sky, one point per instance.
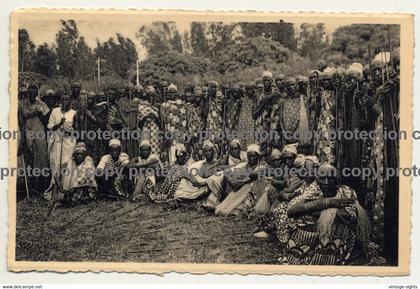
{"type": "Point", "coordinates": [41, 31]}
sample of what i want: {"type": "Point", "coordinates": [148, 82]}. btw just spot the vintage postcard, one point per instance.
{"type": "Point", "coordinates": [223, 142]}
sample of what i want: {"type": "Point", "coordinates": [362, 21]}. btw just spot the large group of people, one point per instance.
{"type": "Point", "coordinates": [289, 182]}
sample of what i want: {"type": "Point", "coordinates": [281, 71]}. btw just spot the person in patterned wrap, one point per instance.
{"type": "Point", "coordinates": [326, 222]}
{"type": "Point", "coordinates": [173, 116]}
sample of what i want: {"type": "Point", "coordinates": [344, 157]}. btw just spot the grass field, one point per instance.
{"type": "Point", "coordinates": [122, 231]}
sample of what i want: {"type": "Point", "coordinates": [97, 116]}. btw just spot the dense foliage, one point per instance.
{"type": "Point", "coordinates": [209, 50]}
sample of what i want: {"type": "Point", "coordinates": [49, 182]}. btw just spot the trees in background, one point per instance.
{"type": "Point", "coordinates": [224, 52]}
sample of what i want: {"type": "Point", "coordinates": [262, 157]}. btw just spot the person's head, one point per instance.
{"type": "Point", "coordinates": [181, 154]}
{"type": "Point", "coordinates": [22, 93]}
{"type": "Point", "coordinates": [75, 89]}
{"type": "Point", "coordinates": [377, 68]}
{"type": "Point", "coordinates": [145, 149]}
{"type": "Point", "coordinates": [172, 91]}
{"type": "Point", "coordinates": [235, 148]}
{"type": "Point", "coordinates": [208, 150]}
{"type": "Point", "coordinates": [289, 154]}
{"type": "Point", "coordinates": [111, 95]}
{"type": "Point", "coordinates": [139, 91]}
{"type": "Point", "coordinates": [395, 56]}
{"type": "Point", "coordinates": [32, 92]}
{"type": "Point", "coordinates": [250, 89]}
{"type": "Point", "coordinates": [253, 154]}
{"type": "Point", "coordinates": [326, 79]}
{"type": "Point", "coordinates": [291, 86]}
{"type": "Point", "coordinates": [366, 73]}
{"type": "Point", "coordinates": [314, 77]}
{"type": "Point", "coordinates": [267, 80]}
{"type": "Point", "coordinates": [310, 167]}
{"type": "Point", "coordinates": [303, 82]}
{"type": "Point", "coordinates": [275, 158]}
{"type": "Point", "coordinates": [198, 96]}
{"type": "Point", "coordinates": [279, 81]}
{"type": "Point", "coordinates": [212, 88]}
{"type": "Point", "coordinates": [91, 96]}
{"type": "Point", "coordinates": [327, 179]}
{"type": "Point", "coordinates": [79, 153]}
{"type": "Point", "coordinates": [121, 93]}
{"type": "Point", "coordinates": [163, 85]}
{"type": "Point", "coordinates": [49, 98]}
{"type": "Point", "coordinates": [150, 93]}
{"type": "Point", "coordinates": [100, 97]}
{"type": "Point", "coordinates": [65, 102]}
{"type": "Point", "coordinates": [115, 148]}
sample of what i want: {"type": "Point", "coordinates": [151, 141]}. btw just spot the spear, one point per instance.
{"type": "Point", "coordinates": [390, 46]}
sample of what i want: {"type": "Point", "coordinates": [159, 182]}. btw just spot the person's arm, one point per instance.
{"type": "Point", "coordinates": [308, 207]}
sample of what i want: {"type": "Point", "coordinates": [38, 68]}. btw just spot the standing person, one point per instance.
{"type": "Point", "coordinates": [195, 123]}
{"type": "Point", "coordinates": [114, 122]}
{"type": "Point", "coordinates": [280, 85]}
{"type": "Point", "coordinates": [293, 114]}
{"type": "Point", "coordinates": [325, 148]}
{"type": "Point", "coordinates": [173, 114]}
{"type": "Point", "coordinates": [314, 101]}
{"type": "Point", "coordinates": [264, 99]}
{"type": "Point", "coordinates": [386, 156]}
{"type": "Point", "coordinates": [128, 111]}
{"type": "Point", "coordinates": [91, 127]}
{"type": "Point", "coordinates": [32, 109]}
{"type": "Point", "coordinates": [161, 95]}
{"type": "Point", "coordinates": [213, 112]}
{"type": "Point", "coordinates": [351, 94]}
{"type": "Point", "coordinates": [245, 121]}
{"type": "Point", "coordinates": [76, 89]}
{"type": "Point", "coordinates": [149, 121]}
{"type": "Point", "coordinates": [100, 112]}
{"type": "Point", "coordinates": [62, 141]}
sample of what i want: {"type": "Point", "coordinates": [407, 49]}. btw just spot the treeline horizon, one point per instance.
{"type": "Point", "coordinates": [209, 50]}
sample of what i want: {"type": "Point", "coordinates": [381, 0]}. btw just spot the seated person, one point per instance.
{"type": "Point", "coordinates": [194, 183]}
{"type": "Point", "coordinates": [165, 191]}
{"type": "Point", "coordinates": [75, 183]}
{"type": "Point", "coordinates": [112, 176]}
{"type": "Point", "coordinates": [244, 187]}
{"type": "Point", "coordinates": [235, 156]}
{"type": "Point", "coordinates": [326, 222]}
{"type": "Point", "coordinates": [147, 172]}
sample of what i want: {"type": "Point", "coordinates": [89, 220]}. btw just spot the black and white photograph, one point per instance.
{"type": "Point", "coordinates": [210, 139]}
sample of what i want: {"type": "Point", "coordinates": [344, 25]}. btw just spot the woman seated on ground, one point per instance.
{"type": "Point", "coordinates": [216, 181]}
{"type": "Point", "coordinates": [276, 222]}
{"type": "Point", "coordinates": [194, 183]}
{"type": "Point", "coordinates": [112, 175]}
{"type": "Point", "coordinates": [283, 180]}
{"type": "Point", "coordinates": [146, 169]}
{"type": "Point", "coordinates": [165, 191]}
{"type": "Point", "coordinates": [75, 183]}
{"type": "Point", "coordinates": [235, 156]}
{"type": "Point", "coordinates": [244, 186]}
{"type": "Point", "coordinates": [327, 222]}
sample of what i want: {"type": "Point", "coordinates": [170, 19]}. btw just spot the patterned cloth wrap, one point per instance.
{"type": "Point", "coordinates": [325, 148]}
{"type": "Point", "coordinates": [148, 117]}
{"type": "Point", "coordinates": [323, 240]}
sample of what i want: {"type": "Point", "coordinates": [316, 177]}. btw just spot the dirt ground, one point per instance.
{"type": "Point", "coordinates": [122, 231]}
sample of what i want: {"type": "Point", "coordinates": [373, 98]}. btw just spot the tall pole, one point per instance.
{"type": "Point", "coordinates": [99, 70]}
{"type": "Point", "coordinates": [137, 72]}
{"type": "Point", "coordinates": [390, 46]}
